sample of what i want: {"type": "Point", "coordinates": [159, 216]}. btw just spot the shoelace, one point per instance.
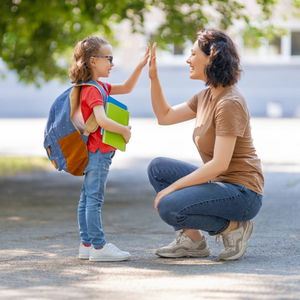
{"type": "Point", "coordinates": [180, 237]}
{"type": "Point", "coordinates": [227, 240]}
{"type": "Point", "coordinates": [218, 238]}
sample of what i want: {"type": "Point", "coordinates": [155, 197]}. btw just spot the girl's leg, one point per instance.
{"type": "Point", "coordinates": [94, 186]}
{"type": "Point", "coordinates": [81, 215]}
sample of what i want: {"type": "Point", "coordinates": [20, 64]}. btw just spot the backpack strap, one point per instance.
{"type": "Point", "coordinates": [99, 87]}
{"type": "Point", "coordinates": [91, 124]}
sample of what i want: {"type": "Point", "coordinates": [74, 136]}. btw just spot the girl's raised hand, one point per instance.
{"type": "Point", "coordinates": [152, 63]}
{"type": "Point", "coordinates": [146, 56]}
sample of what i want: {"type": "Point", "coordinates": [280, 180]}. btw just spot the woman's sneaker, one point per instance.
{"type": "Point", "coordinates": [235, 241]}
{"type": "Point", "coordinates": [84, 251]}
{"type": "Point", "coordinates": [183, 246]}
{"type": "Point", "coordinates": [108, 253]}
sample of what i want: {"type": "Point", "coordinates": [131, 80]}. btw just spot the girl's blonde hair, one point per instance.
{"type": "Point", "coordinates": [80, 69]}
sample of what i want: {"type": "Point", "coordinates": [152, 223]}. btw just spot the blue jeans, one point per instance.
{"type": "Point", "coordinates": [92, 198]}
{"type": "Point", "coordinates": [209, 206]}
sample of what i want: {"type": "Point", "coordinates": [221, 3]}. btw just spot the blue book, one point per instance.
{"type": "Point", "coordinates": [116, 102]}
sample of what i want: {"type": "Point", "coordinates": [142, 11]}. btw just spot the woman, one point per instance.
{"type": "Point", "coordinates": [223, 195]}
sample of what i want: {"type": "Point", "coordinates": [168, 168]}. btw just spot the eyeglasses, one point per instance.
{"type": "Point", "coordinates": [109, 57]}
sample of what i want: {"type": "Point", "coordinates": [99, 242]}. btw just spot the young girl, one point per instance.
{"type": "Point", "coordinates": [93, 59]}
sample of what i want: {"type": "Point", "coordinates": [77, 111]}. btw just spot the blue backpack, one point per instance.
{"type": "Point", "coordinates": [66, 133]}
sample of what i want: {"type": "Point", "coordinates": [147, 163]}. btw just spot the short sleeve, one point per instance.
{"type": "Point", "coordinates": [107, 87]}
{"type": "Point", "coordinates": [193, 103]}
{"type": "Point", "coordinates": [231, 118]}
{"type": "Point", "coordinates": [92, 96]}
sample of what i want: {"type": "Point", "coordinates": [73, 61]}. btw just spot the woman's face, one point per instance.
{"type": "Point", "coordinates": [197, 61]}
{"type": "Point", "coordinates": [101, 66]}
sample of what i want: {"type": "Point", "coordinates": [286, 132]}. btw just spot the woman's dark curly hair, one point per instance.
{"type": "Point", "coordinates": [224, 62]}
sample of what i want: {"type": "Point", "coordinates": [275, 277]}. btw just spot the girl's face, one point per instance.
{"type": "Point", "coordinates": [197, 61]}
{"type": "Point", "coordinates": [101, 66]}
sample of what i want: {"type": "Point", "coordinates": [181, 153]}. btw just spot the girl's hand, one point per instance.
{"type": "Point", "coordinates": [146, 56]}
{"type": "Point", "coordinates": [127, 133]}
{"type": "Point", "coordinates": [152, 63]}
{"type": "Point", "coordinates": [162, 194]}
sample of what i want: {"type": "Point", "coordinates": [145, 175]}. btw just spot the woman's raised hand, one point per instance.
{"type": "Point", "coordinates": [152, 63]}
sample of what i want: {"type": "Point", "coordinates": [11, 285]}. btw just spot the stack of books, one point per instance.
{"type": "Point", "coordinates": [118, 112]}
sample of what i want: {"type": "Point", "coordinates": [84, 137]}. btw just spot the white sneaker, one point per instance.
{"type": "Point", "coordinates": [108, 253]}
{"type": "Point", "coordinates": [84, 252]}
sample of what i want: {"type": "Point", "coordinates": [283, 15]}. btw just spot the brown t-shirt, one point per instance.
{"type": "Point", "coordinates": [227, 115]}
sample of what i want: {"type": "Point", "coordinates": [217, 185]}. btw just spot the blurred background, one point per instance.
{"type": "Point", "coordinates": [37, 41]}
{"type": "Point", "coordinates": [38, 230]}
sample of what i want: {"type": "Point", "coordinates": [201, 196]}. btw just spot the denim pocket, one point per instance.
{"type": "Point", "coordinates": [112, 154]}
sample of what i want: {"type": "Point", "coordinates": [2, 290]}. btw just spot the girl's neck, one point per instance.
{"type": "Point", "coordinates": [94, 78]}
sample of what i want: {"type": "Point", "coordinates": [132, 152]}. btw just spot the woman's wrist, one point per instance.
{"type": "Point", "coordinates": [153, 78]}
{"type": "Point", "coordinates": [172, 188]}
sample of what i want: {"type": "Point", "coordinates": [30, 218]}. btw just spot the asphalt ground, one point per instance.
{"type": "Point", "coordinates": [39, 238]}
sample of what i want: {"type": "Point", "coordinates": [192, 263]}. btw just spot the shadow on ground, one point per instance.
{"type": "Point", "coordinates": [39, 243]}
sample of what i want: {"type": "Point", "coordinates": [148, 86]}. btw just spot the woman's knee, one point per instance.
{"type": "Point", "coordinates": [155, 172]}
{"type": "Point", "coordinates": [167, 212]}
{"type": "Point", "coordinates": [155, 166]}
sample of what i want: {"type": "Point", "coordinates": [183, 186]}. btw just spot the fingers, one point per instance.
{"type": "Point", "coordinates": [147, 53]}
{"type": "Point", "coordinates": [156, 201]}
{"type": "Point", "coordinates": [148, 49]}
{"type": "Point", "coordinates": [128, 139]}
{"type": "Point", "coordinates": [153, 50]}
{"type": "Point", "coordinates": [155, 206]}
{"type": "Point", "coordinates": [153, 55]}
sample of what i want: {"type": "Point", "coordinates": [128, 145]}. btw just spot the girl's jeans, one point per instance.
{"type": "Point", "coordinates": [209, 206]}
{"type": "Point", "coordinates": [92, 198]}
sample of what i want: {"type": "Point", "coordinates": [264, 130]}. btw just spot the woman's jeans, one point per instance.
{"type": "Point", "coordinates": [92, 198]}
{"type": "Point", "coordinates": [209, 206]}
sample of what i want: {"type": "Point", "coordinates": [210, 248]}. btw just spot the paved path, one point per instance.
{"type": "Point", "coordinates": [39, 239]}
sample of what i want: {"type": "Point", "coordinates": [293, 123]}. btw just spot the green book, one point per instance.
{"type": "Point", "coordinates": [121, 116]}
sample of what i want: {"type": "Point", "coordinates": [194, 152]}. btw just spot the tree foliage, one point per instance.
{"type": "Point", "coordinates": [37, 34]}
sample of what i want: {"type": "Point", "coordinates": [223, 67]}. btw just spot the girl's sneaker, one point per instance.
{"type": "Point", "coordinates": [84, 251]}
{"type": "Point", "coordinates": [108, 253]}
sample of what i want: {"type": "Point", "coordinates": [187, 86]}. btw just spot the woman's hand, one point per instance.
{"type": "Point", "coordinates": [127, 133]}
{"type": "Point", "coordinates": [145, 58]}
{"type": "Point", "coordinates": [152, 63]}
{"type": "Point", "coordinates": [162, 194]}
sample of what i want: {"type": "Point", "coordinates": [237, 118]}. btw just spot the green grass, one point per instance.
{"type": "Point", "coordinates": [14, 165]}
